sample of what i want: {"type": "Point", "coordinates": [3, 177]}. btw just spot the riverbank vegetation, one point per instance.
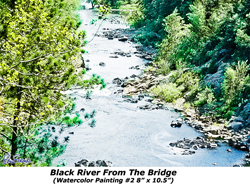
{"type": "Point", "coordinates": [205, 46]}
{"type": "Point", "coordinates": [39, 48]}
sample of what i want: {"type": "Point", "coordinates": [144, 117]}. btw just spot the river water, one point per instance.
{"type": "Point", "coordinates": [124, 134]}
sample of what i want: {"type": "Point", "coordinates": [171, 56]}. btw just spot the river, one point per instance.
{"type": "Point", "coordinates": [124, 134]}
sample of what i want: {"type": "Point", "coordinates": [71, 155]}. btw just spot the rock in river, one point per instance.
{"type": "Point", "coordinates": [123, 39]}
{"type": "Point", "coordinates": [115, 56]}
{"type": "Point", "coordinates": [102, 64]}
{"type": "Point", "coordinates": [118, 81]}
{"type": "Point", "coordinates": [131, 89]}
{"type": "Point", "coordinates": [98, 163]}
{"type": "Point", "coordinates": [175, 124]}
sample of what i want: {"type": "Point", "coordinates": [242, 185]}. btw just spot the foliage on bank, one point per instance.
{"type": "Point", "coordinates": [209, 43]}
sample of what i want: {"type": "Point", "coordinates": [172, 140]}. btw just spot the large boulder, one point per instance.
{"type": "Point", "coordinates": [214, 81]}
{"type": "Point", "coordinates": [235, 125]}
{"type": "Point", "coordinates": [245, 114]}
{"type": "Point", "coordinates": [131, 89]}
{"type": "Point", "coordinates": [123, 39]}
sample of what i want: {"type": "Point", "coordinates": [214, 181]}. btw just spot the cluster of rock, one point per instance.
{"type": "Point", "coordinates": [231, 134]}
{"type": "Point", "coordinates": [144, 53]}
{"type": "Point", "coordinates": [142, 84]}
{"type": "Point", "coordinates": [98, 163]}
{"type": "Point", "coordinates": [114, 20]}
{"type": "Point", "coordinates": [194, 144]}
{"type": "Point", "coordinates": [136, 98]}
{"type": "Point", "coordinates": [124, 35]}
{"type": "Point", "coordinates": [247, 158]}
{"type": "Point", "coordinates": [122, 53]}
{"type": "Point", "coordinates": [137, 67]}
{"type": "Point", "coordinates": [177, 123]}
{"type": "Point", "coordinates": [152, 107]}
{"type": "Point", "coordinates": [149, 106]}
{"type": "Point", "coordinates": [113, 33]}
{"type": "Point", "coordinates": [187, 152]}
{"type": "Point", "coordinates": [119, 81]}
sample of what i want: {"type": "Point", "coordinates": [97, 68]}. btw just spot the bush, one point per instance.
{"type": "Point", "coordinates": [235, 79]}
{"type": "Point", "coordinates": [168, 92]}
{"type": "Point", "coordinates": [186, 105]}
{"type": "Point", "coordinates": [164, 67]}
{"type": "Point", "coordinates": [189, 81]}
{"type": "Point", "coordinates": [206, 96]}
{"type": "Point", "coordinates": [135, 18]}
{"type": "Point", "coordinates": [146, 37]}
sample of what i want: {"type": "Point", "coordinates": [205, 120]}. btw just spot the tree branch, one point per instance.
{"type": "Point", "coordinates": [2, 87]}
{"type": "Point", "coordinates": [5, 136]}
{"type": "Point", "coordinates": [40, 57]}
{"type": "Point", "coordinates": [3, 150]}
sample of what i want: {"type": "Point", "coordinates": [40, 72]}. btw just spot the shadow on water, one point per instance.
{"type": "Point", "coordinates": [121, 132]}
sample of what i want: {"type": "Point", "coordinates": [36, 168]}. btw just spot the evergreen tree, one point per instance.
{"type": "Point", "coordinates": [36, 54]}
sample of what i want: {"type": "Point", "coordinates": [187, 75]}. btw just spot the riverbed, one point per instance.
{"type": "Point", "coordinates": [123, 133]}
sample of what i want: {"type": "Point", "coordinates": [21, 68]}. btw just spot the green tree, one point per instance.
{"type": "Point", "coordinates": [177, 31]}
{"type": "Point", "coordinates": [36, 57]}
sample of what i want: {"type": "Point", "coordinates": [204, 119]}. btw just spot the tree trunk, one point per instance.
{"type": "Point", "coordinates": [25, 146]}
{"type": "Point", "coordinates": [14, 133]}
{"type": "Point", "coordinates": [15, 123]}
{"type": "Point", "coordinates": [13, 141]}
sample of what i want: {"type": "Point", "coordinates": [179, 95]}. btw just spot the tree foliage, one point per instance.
{"type": "Point", "coordinates": [205, 36]}
{"type": "Point", "coordinates": [38, 43]}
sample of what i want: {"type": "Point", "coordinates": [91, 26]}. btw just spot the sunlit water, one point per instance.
{"type": "Point", "coordinates": [124, 134]}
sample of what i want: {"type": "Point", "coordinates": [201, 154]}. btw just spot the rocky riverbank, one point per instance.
{"type": "Point", "coordinates": [236, 132]}
{"type": "Point", "coordinates": [126, 35]}
{"type": "Point", "coordinates": [215, 130]}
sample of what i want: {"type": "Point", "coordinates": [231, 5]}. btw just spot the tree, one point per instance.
{"type": "Point", "coordinates": [36, 57]}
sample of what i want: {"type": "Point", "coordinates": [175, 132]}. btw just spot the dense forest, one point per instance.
{"type": "Point", "coordinates": [205, 45]}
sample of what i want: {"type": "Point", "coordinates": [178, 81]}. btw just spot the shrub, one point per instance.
{"type": "Point", "coordinates": [136, 17]}
{"type": "Point", "coordinates": [186, 105]}
{"type": "Point", "coordinates": [229, 114]}
{"type": "Point", "coordinates": [234, 81]}
{"type": "Point", "coordinates": [164, 67]}
{"type": "Point", "coordinates": [204, 97]}
{"type": "Point", "coordinates": [146, 37]}
{"type": "Point", "coordinates": [168, 92]}
{"type": "Point", "coordinates": [189, 81]}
